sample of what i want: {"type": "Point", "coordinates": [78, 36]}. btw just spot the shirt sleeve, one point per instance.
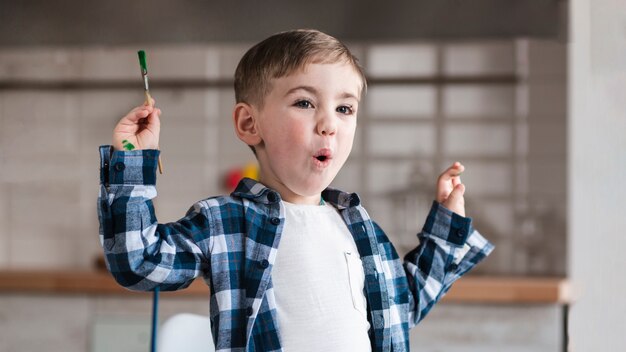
{"type": "Point", "coordinates": [140, 253]}
{"type": "Point", "coordinates": [449, 247]}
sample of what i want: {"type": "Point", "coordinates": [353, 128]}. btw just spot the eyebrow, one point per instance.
{"type": "Point", "coordinates": [314, 91]}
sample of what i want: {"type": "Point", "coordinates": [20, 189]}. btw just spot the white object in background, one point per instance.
{"type": "Point", "coordinates": [186, 332]}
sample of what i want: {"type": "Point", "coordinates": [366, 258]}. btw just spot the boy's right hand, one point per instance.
{"type": "Point", "coordinates": [139, 129]}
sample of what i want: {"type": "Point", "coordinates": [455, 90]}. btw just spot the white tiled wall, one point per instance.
{"type": "Point", "coordinates": [4, 220]}
{"type": "Point", "coordinates": [40, 64]}
{"type": "Point", "coordinates": [401, 139]}
{"type": "Point", "coordinates": [386, 176]}
{"type": "Point", "coordinates": [479, 328]}
{"type": "Point", "coordinates": [93, 323]}
{"type": "Point", "coordinates": [37, 323]}
{"type": "Point", "coordinates": [484, 58]}
{"type": "Point", "coordinates": [462, 140]}
{"type": "Point", "coordinates": [73, 323]}
{"type": "Point", "coordinates": [486, 178]}
{"type": "Point", "coordinates": [479, 100]}
{"type": "Point", "coordinates": [510, 136]}
{"type": "Point", "coordinates": [401, 60]}
{"type": "Point", "coordinates": [404, 101]}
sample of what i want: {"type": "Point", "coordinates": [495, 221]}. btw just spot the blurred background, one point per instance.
{"type": "Point", "coordinates": [488, 83]}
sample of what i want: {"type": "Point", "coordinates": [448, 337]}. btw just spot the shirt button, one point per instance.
{"type": "Point", "coordinates": [271, 197]}
{"type": "Point", "coordinates": [461, 233]}
{"type": "Point", "coordinates": [119, 166]}
{"type": "Point", "coordinates": [249, 311]}
{"type": "Point", "coordinates": [275, 221]}
{"type": "Point", "coordinates": [264, 263]}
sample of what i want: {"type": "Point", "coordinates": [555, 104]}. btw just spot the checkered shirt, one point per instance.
{"type": "Point", "coordinates": [232, 241]}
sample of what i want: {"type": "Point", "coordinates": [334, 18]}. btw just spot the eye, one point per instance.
{"type": "Point", "coordinates": [345, 109]}
{"type": "Point", "coordinates": [303, 104]}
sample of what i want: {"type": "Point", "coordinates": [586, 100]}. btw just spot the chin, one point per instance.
{"type": "Point", "coordinates": [312, 189]}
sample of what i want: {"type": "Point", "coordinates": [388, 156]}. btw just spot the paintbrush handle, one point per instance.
{"type": "Point", "coordinates": [148, 102]}
{"type": "Point", "coordinates": [144, 74]}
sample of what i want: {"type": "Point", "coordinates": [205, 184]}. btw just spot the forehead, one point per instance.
{"type": "Point", "coordinates": [337, 76]}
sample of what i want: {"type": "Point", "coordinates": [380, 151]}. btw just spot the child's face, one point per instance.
{"type": "Point", "coordinates": [307, 127]}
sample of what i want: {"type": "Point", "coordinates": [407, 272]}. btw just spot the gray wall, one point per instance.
{"type": "Point", "coordinates": [509, 134]}
{"type": "Point", "coordinates": [75, 22]}
{"type": "Point", "coordinates": [597, 151]}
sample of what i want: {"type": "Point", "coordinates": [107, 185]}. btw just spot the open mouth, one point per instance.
{"type": "Point", "coordinates": [323, 156]}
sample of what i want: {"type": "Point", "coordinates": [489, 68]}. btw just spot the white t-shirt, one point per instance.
{"type": "Point", "coordinates": [318, 283]}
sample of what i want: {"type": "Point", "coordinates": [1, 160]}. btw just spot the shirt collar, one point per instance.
{"type": "Point", "coordinates": [257, 192]}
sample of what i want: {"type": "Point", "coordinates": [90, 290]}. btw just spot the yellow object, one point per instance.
{"type": "Point", "coordinates": [251, 171]}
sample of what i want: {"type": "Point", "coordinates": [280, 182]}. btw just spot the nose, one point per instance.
{"type": "Point", "coordinates": [326, 125]}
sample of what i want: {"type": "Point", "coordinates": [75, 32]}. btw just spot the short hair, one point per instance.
{"type": "Point", "coordinates": [281, 55]}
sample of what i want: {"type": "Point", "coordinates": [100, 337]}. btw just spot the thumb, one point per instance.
{"type": "Point", "coordinates": [455, 200]}
{"type": "Point", "coordinates": [458, 191]}
{"type": "Point", "coordinates": [456, 195]}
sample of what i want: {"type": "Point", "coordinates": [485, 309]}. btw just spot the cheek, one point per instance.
{"type": "Point", "coordinates": [347, 136]}
{"type": "Point", "coordinates": [286, 139]}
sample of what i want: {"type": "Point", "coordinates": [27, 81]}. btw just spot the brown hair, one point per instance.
{"type": "Point", "coordinates": [282, 54]}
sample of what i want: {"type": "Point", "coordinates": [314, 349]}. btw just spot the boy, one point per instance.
{"type": "Point", "coordinates": [292, 265]}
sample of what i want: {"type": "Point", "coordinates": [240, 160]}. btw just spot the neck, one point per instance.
{"type": "Point", "coordinates": [289, 196]}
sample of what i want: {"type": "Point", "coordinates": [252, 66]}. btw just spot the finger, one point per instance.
{"type": "Point", "coordinates": [443, 191]}
{"type": "Point", "coordinates": [456, 180]}
{"type": "Point", "coordinates": [458, 191]}
{"type": "Point", "coordinates": [136, 117]}
{"type": "Point", "coordinates": [446, 181]}
{"type": "Point", "coordinates": [139, 113]}
{"type": "Point", "coordinates": [456, 202]}
{"type": "Point", "coordinates": [454, 170]}
{"type": "Point", "coordinates": [141, 107]}
{"type": "Point", "coordinates": [153, 122]}
{"type": "Point", "coordinates": [456, 196]}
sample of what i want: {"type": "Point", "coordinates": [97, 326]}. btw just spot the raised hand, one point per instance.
{"type": "Point", "coordinates": [450, 190]}
{"type": "Point", "coordinates": [139, 129]}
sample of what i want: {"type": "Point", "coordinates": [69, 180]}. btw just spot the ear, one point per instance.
{"type": "Point", "coordinates": [246, 124]}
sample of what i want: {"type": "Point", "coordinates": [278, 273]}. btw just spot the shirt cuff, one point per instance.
{"type": "Point", "coordinates": [447, 225]}
{"type": "Point", "coordinates": [137, 167]}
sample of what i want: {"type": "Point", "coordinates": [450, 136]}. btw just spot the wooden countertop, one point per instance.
{"type": "Point", "coordinates": [470, 289]}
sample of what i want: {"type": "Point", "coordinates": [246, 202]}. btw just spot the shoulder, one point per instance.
{"type": "Point", "coordinates": [213, 207]}
{"type": "Point", "coordinates": [230, 207]}
{"type": "Point", "coordinates": [216, 201]}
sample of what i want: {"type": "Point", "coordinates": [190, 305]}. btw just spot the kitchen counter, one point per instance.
{"type": "Point", "coordinates": [469, 289]}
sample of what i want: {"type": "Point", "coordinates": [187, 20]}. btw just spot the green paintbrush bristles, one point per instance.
{"type": "Point", "coordinates": [144, 72]}
{"type": "Point", "coordinates": [142, 61]}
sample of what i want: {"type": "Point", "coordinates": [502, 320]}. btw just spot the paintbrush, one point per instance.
{"type": "Point", "coordinates": [146, 88]}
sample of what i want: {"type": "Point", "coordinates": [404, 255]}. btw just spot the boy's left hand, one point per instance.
{"type": "Point", "coordinates": [450, 190]}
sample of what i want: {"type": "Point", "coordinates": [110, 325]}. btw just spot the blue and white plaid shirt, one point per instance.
{"type": "Point", "coordinates": [232, 243]}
